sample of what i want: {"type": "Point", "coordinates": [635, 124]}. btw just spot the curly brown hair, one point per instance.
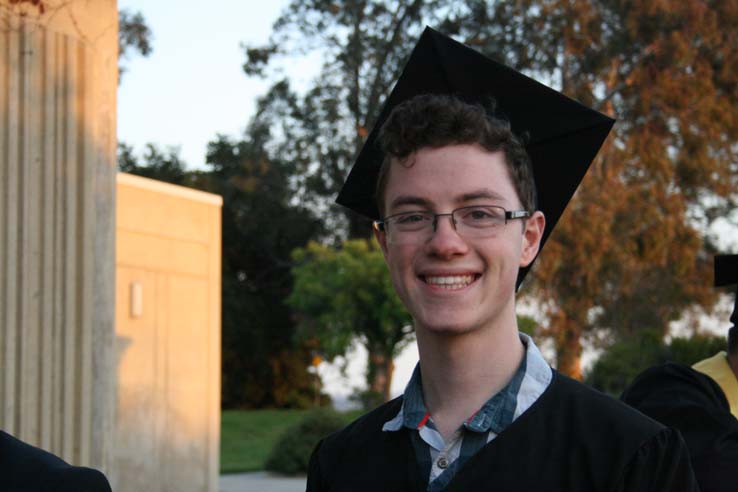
{"type": "Point", "coordinates": [433, 120]}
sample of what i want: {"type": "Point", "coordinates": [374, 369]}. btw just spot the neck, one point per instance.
{"type": "Point", "coordinates": [462, 371]}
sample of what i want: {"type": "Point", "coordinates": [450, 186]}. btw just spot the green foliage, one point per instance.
{"type": "Point", "coordinates": [163, 165]}
{"type": "Point", "coordinates": [133, 35]}
{"type": "Point", "coordinates": [262, 365]}
{"type": "Point", "coordinates": [342, 295]}
{"type": "Point", "coordinates": [527, 325]}
{"type": "Point", "coordinates": [291, 453]}
{"type": "Point", "coordinates": [342, 292]}
{"type": "Point", "coordinates": [248, 436]}
{"type": "Point", "coordinates": [367, 399]}
{"type": "Point", "coordinates": [624, 360]}
{"type": "Point", "coordinates": [691, 350]}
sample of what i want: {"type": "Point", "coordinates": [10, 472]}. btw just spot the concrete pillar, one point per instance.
{"type": "Point", "coordinates": [58, 82]}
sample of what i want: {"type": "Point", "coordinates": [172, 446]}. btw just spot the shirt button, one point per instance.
{"type": "Point", "coordinates": [442, 463]}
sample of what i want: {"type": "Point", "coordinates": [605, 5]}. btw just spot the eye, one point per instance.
{"type": "Point", "coordinates": [482, 216]}
{"type": "Point", "coordinates": [411, 218]}
{"type": "Point", "coordinates": [479, 214]}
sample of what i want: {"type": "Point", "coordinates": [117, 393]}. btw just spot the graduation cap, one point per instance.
{"type": "Point", "coordinates": [726, 273]}
{"type": "Point", "coordinates": [563, 136]}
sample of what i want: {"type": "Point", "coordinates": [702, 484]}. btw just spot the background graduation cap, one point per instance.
{"type": "Point", "coordinates": [726, 273]}
{"type": "Point", "coordinates": [563, 136]}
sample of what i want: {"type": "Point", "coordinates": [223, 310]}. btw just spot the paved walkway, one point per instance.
{"type": "Point", "coordinates": [260, 482]}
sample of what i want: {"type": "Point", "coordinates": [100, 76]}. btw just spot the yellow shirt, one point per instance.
{"type": "Point", "coordinates": [718, 369]}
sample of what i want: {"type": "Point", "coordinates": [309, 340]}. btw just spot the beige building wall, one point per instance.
{"type": "Point", "coordinates": [167, 431]}
{"type": "Point", "coordinates": [58, 82]}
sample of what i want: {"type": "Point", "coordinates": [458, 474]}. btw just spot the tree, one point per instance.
{"type": "Point", "coordinates": [262, 367]}
{"type": "Point", "coordinates": [618, 366]}
{"type": "Point", "coordinates": [629, 253]}
{"type": "Point", "coordinates": [261, 364]}
{"type": "Point", "coordinates": [364, 45]}
{"type": "Point", "coordinates": [157, 164]}
{"type": "Point", "coordinates": [632, 251]}
{"type": "Point", "coordinates": [133, 35]}
{"type": "Point", "coordinates": [343, 294]}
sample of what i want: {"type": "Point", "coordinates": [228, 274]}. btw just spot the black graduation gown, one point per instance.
{"type": "Point", "coordinates": [25, 468]}
{"type": "Point", "coordinates": [693, 403]}
{"type": "Point", "coordinates": [572, 438]}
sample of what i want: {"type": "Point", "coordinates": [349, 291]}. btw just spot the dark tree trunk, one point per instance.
{"type": "Point", "coordinates": [379, 374]}
{"type": "Point", "coordinates": [568, 346]}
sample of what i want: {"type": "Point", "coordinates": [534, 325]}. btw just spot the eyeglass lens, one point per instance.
{"type": "Point", "coordinates": [470, 222]}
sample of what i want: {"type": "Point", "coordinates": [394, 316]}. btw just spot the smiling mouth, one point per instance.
{"type": "Point", "coordinates": [449, 282]}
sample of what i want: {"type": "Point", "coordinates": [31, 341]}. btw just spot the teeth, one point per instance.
{"type": "Point", "coordinates": [450, 282]}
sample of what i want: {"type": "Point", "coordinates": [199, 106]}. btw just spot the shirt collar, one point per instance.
{"type": "Point", "coordinates": [413, 413]}
{"type": "Point", "coordinates": [719, 370]}
{"type": "Point", "coordinates": [495, 415]}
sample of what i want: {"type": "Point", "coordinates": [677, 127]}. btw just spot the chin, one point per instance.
{"type": "Point", "coordinates": [440, 326]}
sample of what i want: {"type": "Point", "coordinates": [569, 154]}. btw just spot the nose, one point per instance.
{"type": "Point", "coordinates": [445, 241]}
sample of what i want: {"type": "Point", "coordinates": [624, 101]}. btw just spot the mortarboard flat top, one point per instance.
{"type": "Point", "coordinates": [562, 135]}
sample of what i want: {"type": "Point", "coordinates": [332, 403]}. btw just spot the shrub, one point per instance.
{"type": "Point", "coordinates": [366, 399]}
{"type": "Point", "coordinates": [624, 360]}
{"type": "Point", "coordinates": [291, 454]}
{"type": "Point", "coordinates": [691, 350]}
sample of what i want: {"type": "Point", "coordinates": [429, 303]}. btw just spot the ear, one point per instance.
{"type": "Point", "coordinates": [532, 234]}
{"type": "Point", "coordinates": [381, 237]}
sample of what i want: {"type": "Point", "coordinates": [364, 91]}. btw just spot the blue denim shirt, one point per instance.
{"type": "Point", "coordinates": [440, 460]}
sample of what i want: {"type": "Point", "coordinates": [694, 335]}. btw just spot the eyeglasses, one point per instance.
{"type": "Point", "coordinates": [477, 221]}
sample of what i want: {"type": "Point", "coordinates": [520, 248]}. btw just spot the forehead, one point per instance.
{"type": "Point", "coordinates": [450, 176]}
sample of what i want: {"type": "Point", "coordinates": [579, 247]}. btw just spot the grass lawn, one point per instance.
{"type": "Point", "coordinates": [247, 436]}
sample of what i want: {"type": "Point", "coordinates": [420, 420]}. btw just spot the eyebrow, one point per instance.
{"type": "Point", "coordinates": [409, 200]}
{"type": "Point", "coordinates": [482, 193]}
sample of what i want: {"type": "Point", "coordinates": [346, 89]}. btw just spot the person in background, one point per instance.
{"type": "Point", "coordinates": [700, 401]}
{"type": "Point", "coordinates": [25, 468]}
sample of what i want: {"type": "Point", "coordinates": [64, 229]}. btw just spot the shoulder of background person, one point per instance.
{"type": "Point", "coordinates": [27, 468]}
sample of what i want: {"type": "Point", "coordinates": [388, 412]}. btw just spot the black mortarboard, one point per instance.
{"type": "Point", "coordinates": [563, 136]}
{"type": "Point", "coordinates": [726, 273]}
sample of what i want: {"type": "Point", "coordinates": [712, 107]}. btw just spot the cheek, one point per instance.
{"type": "Point", "coordinates": [400, 264]}
{"type": "Point", "coordinates": [503, 260]}
{"type": "Point", "coordinates": [512, 268]}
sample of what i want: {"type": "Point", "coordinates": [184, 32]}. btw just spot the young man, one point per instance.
{"type": "Point", "coordinates": [458, 223]}
{"type": "Point", "coordinates": [700, 401]}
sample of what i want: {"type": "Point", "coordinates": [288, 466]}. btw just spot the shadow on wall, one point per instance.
{"type": "Point", "coordinates": [157, 447]}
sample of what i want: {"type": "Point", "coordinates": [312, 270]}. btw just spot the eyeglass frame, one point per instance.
{"type": "Point", "coordinates": [379, 225]}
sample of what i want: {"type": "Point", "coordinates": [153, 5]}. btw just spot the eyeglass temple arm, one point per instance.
{"type": "Point", "coordinates": [516, 214]}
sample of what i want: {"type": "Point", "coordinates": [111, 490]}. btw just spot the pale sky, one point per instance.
{"type": "Point", "coordinates": [191, 86]}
